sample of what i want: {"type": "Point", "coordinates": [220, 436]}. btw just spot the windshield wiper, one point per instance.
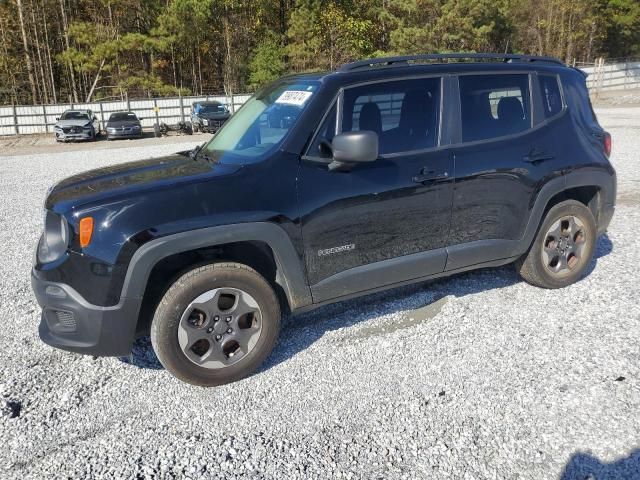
{"type": "Point", "coordinates": [198, 153]}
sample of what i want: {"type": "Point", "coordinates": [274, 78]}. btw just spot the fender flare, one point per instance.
{"type": "Point", "coordinates": [604, 180]}
{"type": "Point", "coordinates": [290, 272]}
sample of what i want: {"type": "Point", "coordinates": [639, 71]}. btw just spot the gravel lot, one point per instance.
{"type": "Point", "coordinates": [477, 376]}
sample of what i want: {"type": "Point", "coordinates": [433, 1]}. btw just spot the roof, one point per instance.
{"type": "Point", "coordinates": [390, 67]}
{"type": "Point", "coordinates": [441, 58]}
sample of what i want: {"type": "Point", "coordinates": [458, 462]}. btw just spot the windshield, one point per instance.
{"type": "Point", "coordinates": [261, 124]}
{"type": "Point", "coordinates": [74, 116]}
{"type": "Point", "coordinates": [212, 108]}
{"type": "Point", "coordinates": [116, 117]}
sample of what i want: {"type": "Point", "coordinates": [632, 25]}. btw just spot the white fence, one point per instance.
{"type": "Point", "coordinates": [605, 76]}
{"type": "Point", "coordinates": [28, 119]}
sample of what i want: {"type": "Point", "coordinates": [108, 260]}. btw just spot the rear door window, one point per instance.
{"type": "Point", "coordinates": [494, 106]}
{"type": "Point", "coordinates": [550, 94]}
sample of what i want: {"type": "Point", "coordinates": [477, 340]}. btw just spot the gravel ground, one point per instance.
{"type": "Point", "coordinates": [477, 376]}
{"type": "Point", "coordinates": [34, 144]}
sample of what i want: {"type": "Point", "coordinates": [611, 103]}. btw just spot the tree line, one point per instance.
{"type": "Point", "coordinates": [82, 50]}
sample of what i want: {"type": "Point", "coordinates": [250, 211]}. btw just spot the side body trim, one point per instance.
{"type": "Point", "coordinates": [379, 274]}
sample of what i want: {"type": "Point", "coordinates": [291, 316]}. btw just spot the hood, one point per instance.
{"type": "Point", "coordinates": [131, 178]}
{"type": "Point", "coordinates": [122, 123]}
{"type": "Point", "coordinates": [73, 122]}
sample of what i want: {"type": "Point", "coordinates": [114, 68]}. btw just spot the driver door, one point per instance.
{"type": "Point", "coordinates": [387, 221]}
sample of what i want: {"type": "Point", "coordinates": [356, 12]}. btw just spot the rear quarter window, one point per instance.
{"type": "Point", "coordinates": [550, 94]}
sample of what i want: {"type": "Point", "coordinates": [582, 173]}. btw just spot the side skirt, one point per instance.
{"type": "Point", "coordinates": [493, 263]}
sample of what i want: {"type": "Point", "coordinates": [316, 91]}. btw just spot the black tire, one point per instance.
{"type": "Point", "coordinates": [170, 310]}
{"type": "Point", "coordinates": [534, 268]}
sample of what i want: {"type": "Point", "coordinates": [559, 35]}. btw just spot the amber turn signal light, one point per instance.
{"type": "Point", "coordinates": [86, 230]}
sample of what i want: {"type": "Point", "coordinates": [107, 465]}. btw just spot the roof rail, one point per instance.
{"type": "Point", "coordinates": [435, 57]}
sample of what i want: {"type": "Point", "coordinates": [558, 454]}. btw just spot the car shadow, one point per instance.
{"type": "Point", "coordinates": [583, 466]}
{"type": "Point", "coordinates": [301, 331]}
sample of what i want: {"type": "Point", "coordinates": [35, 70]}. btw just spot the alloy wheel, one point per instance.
{"type": "Point", "coordinates": [564, 243]}
{"type": "Point", "coordinates": [220, 327]}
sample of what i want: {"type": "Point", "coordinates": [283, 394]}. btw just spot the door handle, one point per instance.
{"type": "Point", "coordinates": [427, 175]}
{"type": "Point", "coordinates": [537, 156]}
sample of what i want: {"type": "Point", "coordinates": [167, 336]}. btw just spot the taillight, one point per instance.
{"type": "Point", "coordinates": [607, 144]}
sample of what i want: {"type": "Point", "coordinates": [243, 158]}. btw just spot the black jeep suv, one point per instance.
{"type": "Point", "coordinates": [389, 171]}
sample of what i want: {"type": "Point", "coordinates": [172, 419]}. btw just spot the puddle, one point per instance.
{"type": "Point", "coordinates": [409, 319]}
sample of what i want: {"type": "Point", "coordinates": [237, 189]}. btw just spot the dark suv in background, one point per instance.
{"type": "Point", "coordinates": [208, 116]}
{"type": "Point", "coordinates": [386, 172]}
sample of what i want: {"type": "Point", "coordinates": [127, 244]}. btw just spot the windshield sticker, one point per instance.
{"type": "Point", "coordinates": [294, 97]}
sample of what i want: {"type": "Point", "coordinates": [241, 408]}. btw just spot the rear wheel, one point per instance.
{"type": "Point", "coordinates": [216, 324]}
{"type": "Point", "coordinates": [563, 248]}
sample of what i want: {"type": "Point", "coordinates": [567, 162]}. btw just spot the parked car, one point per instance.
{"type": "Point", "coordinates": [394, 171]}
{"type": "Point", "coordinates": [76, 125]}
{"type": "Point", "coordinates": [208, 116]}
{"type": "Point", "coordinates": [123, 125]}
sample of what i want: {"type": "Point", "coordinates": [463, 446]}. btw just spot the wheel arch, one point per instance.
{"type": "Point", "coordinates": [263, 246]}
{"type": "Point", "coordinates": [595, 189]}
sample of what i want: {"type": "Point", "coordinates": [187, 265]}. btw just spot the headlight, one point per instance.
{"type": "Point", "coordinates": [111, 129]}
{"type": "Point", "coordinates": [136, 127]}
{"type": "Point", "coordinates": [56, 127]}
{"type": "Point", "coordinates": [55, 239]}
{"type": "Point", "coordinates": [87, 126]}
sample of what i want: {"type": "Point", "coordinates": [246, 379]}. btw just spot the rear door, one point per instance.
{"type": "Point", "coordinates": [502, 158]}
{"type": "Point", "coordinates": [384, 222]}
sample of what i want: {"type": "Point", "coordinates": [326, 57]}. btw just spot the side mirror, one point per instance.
{"type": "Point", "coordinates": [95, 118]}
{"type": "Point", "coordinates": [57, 118]}
{"type": "Point", "coordinates": [351, 148]}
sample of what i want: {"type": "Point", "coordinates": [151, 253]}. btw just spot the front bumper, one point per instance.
{"type": "Point", "coordinates": [70, 323]}
{"type": "Point", "coordinates": [121, 134]}
{"type": "Point", "coordinates": [65, 137]}
{"type": "Point", "coordinates": [211, 126]}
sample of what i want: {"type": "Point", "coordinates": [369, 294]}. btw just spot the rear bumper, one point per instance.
{"type": "Point", "coordinates": [70, 323]}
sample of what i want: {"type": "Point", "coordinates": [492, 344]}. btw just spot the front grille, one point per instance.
{"type": "Point", "coordinates": [72, 129]}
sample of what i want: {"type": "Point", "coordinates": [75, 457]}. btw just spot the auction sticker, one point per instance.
{"type": "Point", "coordinates": [294, 97]}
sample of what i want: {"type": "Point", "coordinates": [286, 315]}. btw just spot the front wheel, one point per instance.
{"type": "Point", "coordinates": [216, 324]}
{"type": "Point", "coordinates": [563, 247]}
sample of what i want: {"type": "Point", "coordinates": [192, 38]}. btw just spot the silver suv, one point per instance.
{"type": "Point", "coordinates": [76, 125]}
